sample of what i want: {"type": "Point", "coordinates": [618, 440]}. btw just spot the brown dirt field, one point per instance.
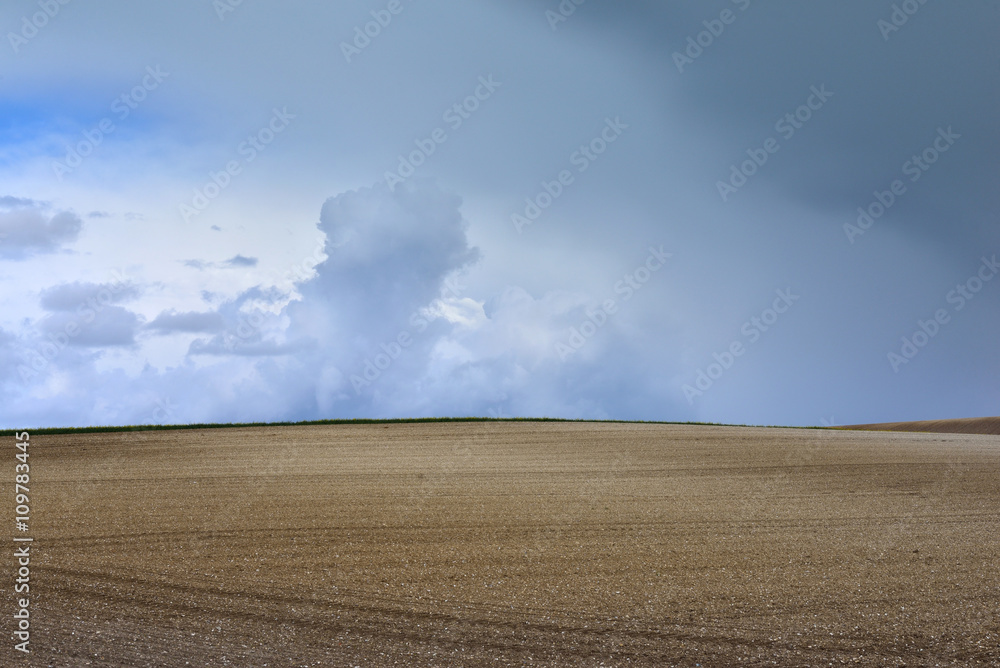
{"type": "Point", "coordinates": [501, 544]}
{"type": "Point", "coordinates": [987, 425]}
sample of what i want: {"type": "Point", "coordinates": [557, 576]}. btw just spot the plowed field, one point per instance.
{"type": "Point", "coordinates": [501, 544]}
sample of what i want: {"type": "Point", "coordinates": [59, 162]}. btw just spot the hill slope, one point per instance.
{"type": "Point", "coordinates": [987, 425]}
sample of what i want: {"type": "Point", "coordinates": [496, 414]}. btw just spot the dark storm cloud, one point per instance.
{"type": "Point", "coordinates": [893, 90]}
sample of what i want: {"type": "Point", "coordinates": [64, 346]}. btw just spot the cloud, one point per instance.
{"type": "Point", "coordinates": [386, 281]}
{"type": "Point", "coordinates": [247, 326]}
{"type": "Point", "coordinates": [391, 273]}
{"type": "Point", "coordinates": [77, 295]}
{"type": "Point", "coordinates": [389, 257]}
{"type": "Point", "coordinates": [224, 347]}
{"type": "Point", "coordinates": [9, 202]}
{"type": "Point", "coordinates": [191, 322]}
{"type": "Point", "coordinates": [241, 261]}
{"type": "Point", "coordinates": [103, 326]}
{"type": "Point", "coordinates": [388, 253]}
{"type": "Point", "coordinates": [235, 261]}
{"type": "Point", "coordinates": [26, 229]}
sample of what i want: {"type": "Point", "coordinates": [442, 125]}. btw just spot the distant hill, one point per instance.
{"type": "Point", "coordinates": [987, 425]}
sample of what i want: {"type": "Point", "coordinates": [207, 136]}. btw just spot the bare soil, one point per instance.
{"type": "Point", "coordinates": [501, 544]}
{"type": "Point", "coordinates": [986, 425]}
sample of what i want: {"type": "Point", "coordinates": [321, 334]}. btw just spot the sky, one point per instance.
{"type": "Point", "coordinates": [732, 211]}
